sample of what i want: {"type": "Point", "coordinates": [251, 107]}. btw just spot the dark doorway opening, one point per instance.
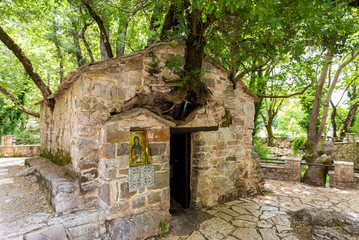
{"type": "Point", "coordinates": [180, 161]}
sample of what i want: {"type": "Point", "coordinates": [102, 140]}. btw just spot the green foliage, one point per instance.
{"type": "Point", "coordinates": [175, 65]}
{"type": "Point", "coordinates": [227, 118]}
{"type": "Point", "coordinates": [260, 147]}
{"type": "Point", "coordinates": [155, 68]}
{"type": "Point", "coordinates": [163, 226]}
{"type": "Point", "coordinates": [299, 143]}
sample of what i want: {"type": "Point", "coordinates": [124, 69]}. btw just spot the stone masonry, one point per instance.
{"type": "Point", "coordinates": [88, 129]}
{"type": "Point", "coordinates": [9, 149]}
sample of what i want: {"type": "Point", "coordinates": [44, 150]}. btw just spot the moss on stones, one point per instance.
{"type": "Point", "coordinates": [227, 118]}
{"type": "Point", "coordinates": [59, 158]}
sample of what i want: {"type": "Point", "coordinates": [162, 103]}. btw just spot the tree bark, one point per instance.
{"type": "Point", "coordinates": [330, 92]}
{"type": "Point", "coordinates": [313, 138]}
{"type": "Point", "coordinates": [103, 32]}
{"type": "Point", "coordinates": [169, 24]}
{"type": "Point", "coordinates": [87, 45]}
{"type": "Point", "coordinates": [333, 116]}
{"type": "Point", "coordinates": [10, 44]}
{"type": "Point", "coordinates": [121, 39]}
{"type": "Point", "coordinates": [18, 105]}
{"type": "Point", "coordinates": [77, 48]}
{"type": "Point", "coordinates": [348, 120]}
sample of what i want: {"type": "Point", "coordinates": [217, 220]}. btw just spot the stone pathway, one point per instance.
{"type": "Point", "coordinates": [267, 217]}
{"type": "Point", "coordinates": [23, 207]}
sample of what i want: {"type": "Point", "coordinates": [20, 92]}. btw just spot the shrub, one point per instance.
{"type": "Point", "coordinates": [261, 148]}
{"type": "Point", "coordinates": [299, 143]}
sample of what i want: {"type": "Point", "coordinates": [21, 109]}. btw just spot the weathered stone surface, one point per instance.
{"type": "Point", "coordinates": [110, 150]}
{"type": "Point", "coordinates": [114, 136]}
{"type": "Point", "coordinates": [247, 233]}
{"type": "Point", "coordinates": [154, 198]}
{"type": "Point", "coordinates": [268, 234]}
{"type": "Point", "coordinates": [157, 149]}
{"type": "Point", "coordinates": [138, 202]}
{"type": "Point", "coordinates": [123, 149]}
{"type": "Point", "coordinates": [25, 172]}
{"type": "Point", "coordinates": [215, 228]}
{"type": "Point", "coordinates": [196, 236]}
{"type": "Point", "coordinates": [162, 179]}
{"type": "Point", "coordinates": [104, 193]}
{"type": "Point", "coordinates": [134, 65]}
{"type": "Point", "coordinates": [55, 232]}
{"type": "Point", "coordinates": [139, 226]}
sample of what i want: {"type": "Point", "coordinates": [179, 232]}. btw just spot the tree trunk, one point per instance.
{"type": "Point", "coordinates": [103, 32]}
{"type": "Point", "coordinates": [313, 138]}
{"type": "Point", "coordinates": [104, 55]}
{"type": "Point", "coordinates": [317, 175]}
{"type": "Point", "coordinates": [10, 44]}
{"type": "Point", "coordinates": [169, 24]}
{"type": "Point", "coordinates": [18, 105]}
{"type": "Point", "coordinates": [77, 48]}
{"type": "Point", "coordinates": [121, 39]}
{"type": "Point", "coordinates": [348, 120]}
{"type": "Point", "coordinates": [333, 116]}
{"type": "Point", "coordinates": [87, 45]}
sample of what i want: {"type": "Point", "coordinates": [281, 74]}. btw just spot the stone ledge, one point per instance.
{"type": "Point", "coordinates": [59, 184]}
{"type": "Point", "coordinates": [139, 226]}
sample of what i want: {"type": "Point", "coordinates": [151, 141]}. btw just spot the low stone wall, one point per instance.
{"type": "Point", "coordinates": [289, 172]}
{"type": "Point", "coordinates": [343, 175]}
{"type": "Point", "coordinates": [348, 152]}
{"type": "Point", "coordinates": [9, 149]}
{"type": "Point", "coordinates": [59, 184]}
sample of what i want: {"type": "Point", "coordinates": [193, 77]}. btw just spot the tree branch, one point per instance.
{"type": "Point", "coordinates": [11, 45]}
{"type": "Point", "coordinates": [18, 105]}
{"type": "Point", "coordinates": [284, 96]}
{"type": "Point", "coordinates": [99, 22]}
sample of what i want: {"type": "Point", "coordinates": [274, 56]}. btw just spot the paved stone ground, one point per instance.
{"type": "Point", "coordinates": [23, 208]}
{"type": "Point", "coordinates": [267, 217]}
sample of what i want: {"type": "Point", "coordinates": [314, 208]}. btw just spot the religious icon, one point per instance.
{"type": "Point", "coordinates": [139, 148]}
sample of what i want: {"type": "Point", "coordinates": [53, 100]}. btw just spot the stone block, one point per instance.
{"type": "Point", "coordinates": [101, 91]}
{"type": "Point", "coordinates": [139, 226]}
{"type": "Point", "coordinates": [138, 202]}
{"type": "Point", "coordinates": [123, 149]}
{"type": "Point", "coordinates": [157, 149]}
{"type": "Point", "coordinates": [104, 193]}
{"type": "Point", "coordinates": [87, 144]}
{"type": "Point", "coordinates": [55, 232]}
{"type": "Point", "coordinates": [154, 198]}
{"type": "Point", "coordinates": [248, 108]}
{"type": "Point", "coordinates": [134, 65]}
{"type": "Point", "coordinates": [162, 179]}
{"type": "Point", "coordinates": [118, 93]}
{"type": "Point", "coordinates": [161, 135]}
{"type": "Point", "coordinates": [124, 191]}
{"type": "Point", "coordinates": [166, 195]}
{"type": "Point", "coordinates": [114, 136]}
{"type": "Point", "coordinates": [110, 150]}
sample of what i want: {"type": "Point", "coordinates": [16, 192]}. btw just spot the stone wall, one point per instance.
{"type": "Point", "coordinates": [87, 127]}
{"type": "Point", "coordinates": [348, 152]}
{"type": "Point", "coordinates": [291, 171]}
{"type": "Point", "coordinates": [9, 149]}
{"type": "Point", "coordinates": [343, 175]}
